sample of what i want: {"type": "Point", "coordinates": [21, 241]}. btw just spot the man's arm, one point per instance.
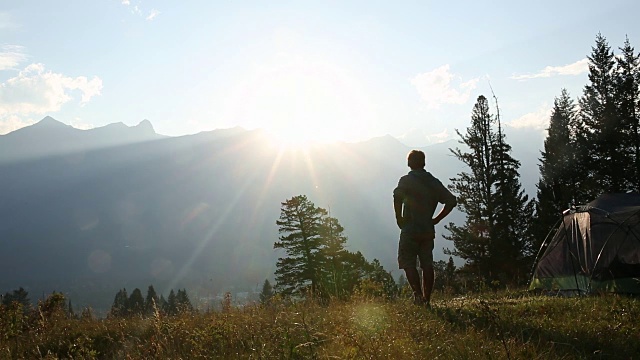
{"type": "Point", "coordinates": [398, 199]}
{"type": "Point", "coordinates": [397, 208]}
{"type": "Point", "coordinates": [448, 207]}
{"type": "Point", "coordinates": [449, 200]}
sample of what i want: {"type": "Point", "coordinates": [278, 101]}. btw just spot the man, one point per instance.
{"type": "Point", "coordinates": [415, 201]}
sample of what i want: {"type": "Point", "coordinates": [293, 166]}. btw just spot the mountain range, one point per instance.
{"type": "Point", "coordinates": [88, 212]}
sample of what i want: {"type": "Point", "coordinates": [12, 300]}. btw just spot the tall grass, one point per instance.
{"type": "Point", "coordinates": [485, 326]}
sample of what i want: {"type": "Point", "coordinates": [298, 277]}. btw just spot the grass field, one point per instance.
{"type": "Point", "coordinates": [507, 325]}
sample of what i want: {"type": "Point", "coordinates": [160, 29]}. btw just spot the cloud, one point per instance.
{"type": "Point", "coordinates": [153, 14]}
{"type": "Point", "coordinates": [137, 10]}
{"type": "Point", "coordinates": [11, 56]}
{"type": "Point", "coordinates": [36, 91]}
{"type": "Point", "coordinates": [13, 122]}
{"type": "Point", "coordinates": [538, 120]}
{"type": "Point", "coordinates": [435, 87]}
{"type": "Point", "coordinates": [576, 68]}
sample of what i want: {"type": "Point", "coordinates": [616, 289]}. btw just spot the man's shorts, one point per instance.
{"type": "Point", "coordinates": [414, 246]}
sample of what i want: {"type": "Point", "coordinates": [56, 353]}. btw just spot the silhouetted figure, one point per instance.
{"type": "Point", "coordinates": [415, 201]}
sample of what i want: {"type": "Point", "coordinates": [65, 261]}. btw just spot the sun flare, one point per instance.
{"type": "Point", "coordinates": [303, 97]}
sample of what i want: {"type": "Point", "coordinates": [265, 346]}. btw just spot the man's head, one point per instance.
{"type": "Point", "coordinates": [415, 160]}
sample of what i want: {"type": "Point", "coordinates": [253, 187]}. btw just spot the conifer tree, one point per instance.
{"type": "Point", "coordinates": [135, 303]}
{"type": "Point", "coordinates": [601, 130]}
{"type": "Point", "coordinates": [151, 300]}
{"type": "Point", "coordinates": [558, 186]}
{"type": "Point", "coordinates": [628, 98]}
{"type": "Point", "coordinates": [172, 304]}
{"type": "Point", "coordinates": [267, 292]}
{"type": "Point", "coordinates": [450, 273]}
{"type": "Point", "coordinates": [379, 275]}
{"type": "Point", "coordinates": [299, 225]}
{"type": "Point", "coordinates": [183, 304]}
{"type": "Point", "coordinates": [20, 296]}
{"type": "Point", "coordinates": [120, 305]}
{"type": "Point", "coordinates": [333, 258]}
{"type": "Point", "coordinates": [494, 239]}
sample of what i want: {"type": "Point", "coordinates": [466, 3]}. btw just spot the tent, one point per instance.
{"type": "Point", "coordinates": [594, 248]}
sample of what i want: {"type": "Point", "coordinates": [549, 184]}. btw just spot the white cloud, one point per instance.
{"type": "Point", "coordinates": [11, 56]}
{"type": "Point", "coordinates": [36, 91]}
{"type": "Point", "coordinates": [153, 14]}
{"type": "Point", "coordinates": [78, 123]}
{"type": "Point", "coordinates": [576, 68]}
{"type": "Point", "coordinates": [436, 88]}
{"type": "Point", "coordinates": [126, 2]}
{"type": "Point", "coordinates": [538, 120]}
{"type": "Point", "coordinates": [13, 122]}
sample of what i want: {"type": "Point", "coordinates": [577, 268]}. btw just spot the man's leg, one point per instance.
{"type": "Point", "coordinates": [427, 282]}
{"type": "Point", "coordinates": [413, 278]}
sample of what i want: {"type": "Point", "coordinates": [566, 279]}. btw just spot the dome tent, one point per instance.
{"type": "Point", "coordinates": [594, 248]}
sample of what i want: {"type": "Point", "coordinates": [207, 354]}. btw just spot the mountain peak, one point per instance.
{"type": "Point", "coordinates": [146, 126]}
{"type": "Point", "coordinates": [48, 121]}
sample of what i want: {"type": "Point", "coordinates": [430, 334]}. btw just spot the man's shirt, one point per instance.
{"type": "Point", "coordinates": [420, 193]}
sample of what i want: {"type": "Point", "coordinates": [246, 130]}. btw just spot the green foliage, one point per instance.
{"type": "Point", "coordinates": [135, 303]}
{"type": "Point", "coordinates": [183, 304]}
{"type": "Point", "coordinates": [267, 292]}
{"type": "Point", "coordinates": [495, 239]}
{"type": "Point", "coordinates": [120, 305]}
{"type": "Point", "coordinates": [317, 260]}
{"type": "Point", "coordinates": [445, 276]}
{"type": "Point", "coordinates": [558, 187]}
{"type": "Point", "coordinates": [299, 224]}
{"type": "Point", "coordinates": [20, 296]}
{"type": "Point", "coordinates": [151, 302]}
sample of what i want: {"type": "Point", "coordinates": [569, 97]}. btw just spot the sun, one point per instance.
{"type": "Point", "coordinates": [303, 135]}
{"type": "Point", "coordinates": [303, 99]}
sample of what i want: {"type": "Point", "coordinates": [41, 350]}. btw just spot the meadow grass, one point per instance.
{"type": "Point", "coordinates": [505, 325]}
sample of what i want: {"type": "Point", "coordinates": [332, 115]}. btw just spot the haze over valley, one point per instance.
{"type": "Point", "coordinates": [87, 212]}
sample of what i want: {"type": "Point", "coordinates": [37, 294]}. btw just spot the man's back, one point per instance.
{"type": "Point", "coordinates": [421, 193]}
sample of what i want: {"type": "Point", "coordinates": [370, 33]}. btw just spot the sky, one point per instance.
{"type": "Point", "coordinates": [305, 70]}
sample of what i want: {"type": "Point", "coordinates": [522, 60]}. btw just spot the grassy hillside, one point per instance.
{"type": "Point", "coordinates": [491, 326]}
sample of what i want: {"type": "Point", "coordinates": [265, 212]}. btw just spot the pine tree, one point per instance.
{"type": "Point", "coordinates": [299, 225]}
{"type": "Point", "coordinates": [172, 304]}
{"type": "Point", "coordinates": [183, 304]}
{"type": "Point", "coordinates": [20, 296]}
{"type": "Point", "coordinates": [379, 275]}
{"type": "Point", "coordinates": [163, 304]}
{"type": "Point", "coordinates": [450, 273]}
{"type": "Point", "coordinates": [558, 186]}
{"type": "Point", "coordinates": [601, 130]}
{"type": "Point", "coordinates": [136, 302]}
{"type": "Point", "coordinates": [332, 258]}
{"type": "Point", "coordinates": [628, 98]}
{"type": "Point", "coordinates": [70, 313]}
{"type": "Point", "coordinates": [511, 234]}
{"type": "Point", "coordinates": [494, 240]}
{"type": "Point", "coordinates": [267, 292]}
{"type": "Point", "coordinates": [474, 192]}
{"type": "Point", "coordinates": [151, 301]}
{"type": "Point", "coordinates": [120, 305]}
